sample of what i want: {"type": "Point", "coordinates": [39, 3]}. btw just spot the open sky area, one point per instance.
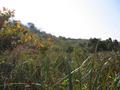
{"type": "Point", "coordinates": [70, 18]}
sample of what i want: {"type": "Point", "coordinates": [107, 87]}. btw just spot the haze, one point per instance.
{"type": "Point", "coordinates": [70, 18]}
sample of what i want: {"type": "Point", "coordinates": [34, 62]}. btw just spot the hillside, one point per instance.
{"type": "Point", "coordinates": [31, 59]}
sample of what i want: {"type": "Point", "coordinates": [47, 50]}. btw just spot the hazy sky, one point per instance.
{"type": "Point", "coordinates": [70, 18]}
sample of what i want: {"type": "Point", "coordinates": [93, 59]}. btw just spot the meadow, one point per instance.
{"type": "Point", "coordinates": [34, 60]}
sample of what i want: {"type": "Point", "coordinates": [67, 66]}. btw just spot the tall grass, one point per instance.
{"type": "Point", "coordinates": [99, 71]}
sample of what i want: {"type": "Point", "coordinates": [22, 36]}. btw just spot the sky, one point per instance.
{"type": "Point", "coordinates": [70, 18]}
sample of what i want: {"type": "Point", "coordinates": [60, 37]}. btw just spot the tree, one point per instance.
{"type": "Point", "coordinates": [115, 45]}
{"type": "Point", "coordinates": [1, 21]}
{"type": "Point", "coordinates": [108, 43]}
{"type": "Point", "coordinates": [93, 44]}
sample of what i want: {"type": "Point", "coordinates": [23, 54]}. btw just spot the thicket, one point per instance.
{"type": "Point", "coordinates": [103, 45]}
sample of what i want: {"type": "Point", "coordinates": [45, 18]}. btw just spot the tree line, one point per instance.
{"type": "Point", "coordinates": [96, 44]}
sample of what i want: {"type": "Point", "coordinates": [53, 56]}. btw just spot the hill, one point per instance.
{"type": "Point", "coordinates": [34, 60]}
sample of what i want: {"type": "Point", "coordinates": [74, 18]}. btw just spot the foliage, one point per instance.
{"type": "Point", "coordinates": [30, 60]}
{"type": "Point", "coordinates": [105, 45]}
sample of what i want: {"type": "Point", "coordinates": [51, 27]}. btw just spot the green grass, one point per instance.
{"type": "Point", "coordinates": [99, 71]}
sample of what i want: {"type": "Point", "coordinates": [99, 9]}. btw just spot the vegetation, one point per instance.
{"type": "Point", "coordinates": [34, 60]}
{"type": "Point", "coordinates": [106, 45]}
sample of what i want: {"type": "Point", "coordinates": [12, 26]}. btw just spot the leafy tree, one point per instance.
{"type": "Point", "coordinates": [115, 45]}
{"type": "Point", "coordinates": [105, 45]}
{"type": "Point", "coordinates": [93, 44]}
{"type": "Point", "coordinates": [108, 43]}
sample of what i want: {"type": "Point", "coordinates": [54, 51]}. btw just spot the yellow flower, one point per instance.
{"type": "Point", "coordinates": [18, 24]}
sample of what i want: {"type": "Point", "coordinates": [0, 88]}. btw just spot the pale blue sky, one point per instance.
{"type": "Point", "coordinates": [70, 18]}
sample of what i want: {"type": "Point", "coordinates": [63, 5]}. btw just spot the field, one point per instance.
{"type": "Point", "coordinates": [34, 60]}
